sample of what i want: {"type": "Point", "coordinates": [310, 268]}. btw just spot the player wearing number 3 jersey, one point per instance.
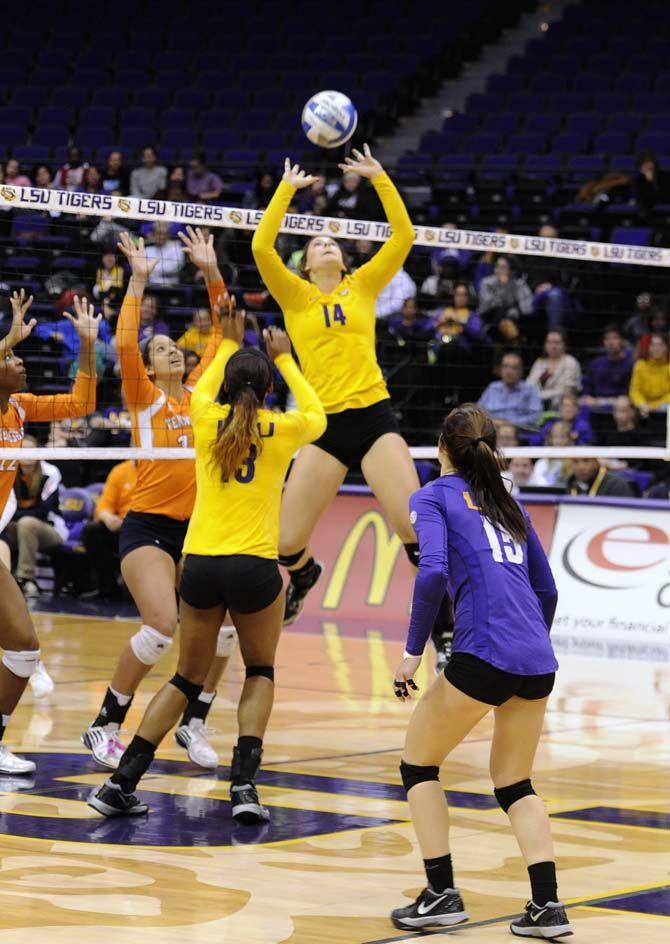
{"type": "Point", "coordinates": [153, 531]}
{"type": "Point", "coordinates": [330, 318]}
{"type": "Point", "coordinates": [476, 541]}
{"type": "Point", "coordinates": [242, 455]}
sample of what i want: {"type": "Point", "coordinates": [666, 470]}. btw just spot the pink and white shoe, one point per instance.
{"type": "Point", "coordinates": [104, 745]}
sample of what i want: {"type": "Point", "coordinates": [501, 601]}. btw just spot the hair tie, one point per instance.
{"type": "Point", "coordinates": [478, 440]}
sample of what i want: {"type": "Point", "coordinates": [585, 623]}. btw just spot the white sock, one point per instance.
{"type": "Point", "coordinates": [123, 700]}
{"type": "Point", "coordinates": [207, 697]}
{"type": "Point", "coordinates": [5, 720]}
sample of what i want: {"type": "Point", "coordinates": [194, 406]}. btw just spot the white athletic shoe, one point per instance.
{"type": "Point", "coordinates": [192, 737]}
{"type": "Point", "coordinates": [11, 764]}
{"type": "Point", "coordinates": [41, 682]}
{"type": "Point", "coordinates": [104, 745]}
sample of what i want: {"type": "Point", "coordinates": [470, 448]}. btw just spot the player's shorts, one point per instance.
{"type": "Point", "coordinates": [486, 683]}
{"type": "Point", "coordinates": [142, 529]}
{"type": "Point", "coordinates": [240, 582]}
{"type": "Point", "coordinates": [351, 433]}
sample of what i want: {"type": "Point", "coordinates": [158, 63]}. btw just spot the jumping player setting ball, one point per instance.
{"type": "Point", "coordinates": [330, 317]}
{"type": "Point", "coordinates": [475, 540]}
{"type": "Point", "coordinates": [242, 454]}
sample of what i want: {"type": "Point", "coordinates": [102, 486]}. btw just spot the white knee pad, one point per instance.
{"type": "Point", "coordinates": [149, 645]}
{"type": "Point", "coordinates": [226, 641]}
{"type": "Point", "coordinates": [22, 664]}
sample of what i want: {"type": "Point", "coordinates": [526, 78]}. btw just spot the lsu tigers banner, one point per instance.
{"type": "Point", "coordinates": [136, 208]}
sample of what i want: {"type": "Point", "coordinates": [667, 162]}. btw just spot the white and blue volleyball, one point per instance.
{"type": "Point", "coordinates": [329, 119]}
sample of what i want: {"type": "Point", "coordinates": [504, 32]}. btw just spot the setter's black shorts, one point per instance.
{"type": "Point", "coordinates": [351, 433]}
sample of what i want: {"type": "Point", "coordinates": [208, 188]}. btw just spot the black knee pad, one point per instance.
{"type": "Point", "coordinates": [267, 671]}
{"type": "Point", "coordinates": [189, 689]}
{"type": "Point", "coordinates": [506, 796]}
{"type": "Point", "coordinates": [412, 551]}
{"type": "Point", "coordinates": [411, 775]}
{"type": "Point", "coordinates": [288, 560]}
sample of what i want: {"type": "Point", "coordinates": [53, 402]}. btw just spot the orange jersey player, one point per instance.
{"type": "Point", "coordinates": [153, 531]}
{"type": "Point", "coordinates": [18, 639]}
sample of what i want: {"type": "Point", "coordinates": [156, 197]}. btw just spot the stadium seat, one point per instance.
{"type": "Point", "coordinates": [631, 236]}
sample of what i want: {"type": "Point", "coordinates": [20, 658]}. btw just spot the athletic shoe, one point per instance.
{"type": "Point", "coordinates": [104, 745]}
{"type": "Point", "coordinates": [246, 806]}
{"type": "Point", "coordinates": [110, 800]}
{"type": "Point", "coordinates": [41, 682]}
{"type": "Point", "coordinates": [192, 737]}
{"type": "Point", "coordinates": [548, 921]}
{"type": "Point", "coordinates": [28, 587]}
{"type": "Point", "coordinates": [11, 764]}
{"type": "Point", "coordinates": [14, 783]}
{"type": "Point", "coordinates": [295, 596]}
{"type": "Point", "coordinates": [431, 910]}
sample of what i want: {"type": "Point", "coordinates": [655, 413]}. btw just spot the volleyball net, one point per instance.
{"type": "Point", "coordinates": [442, 325]}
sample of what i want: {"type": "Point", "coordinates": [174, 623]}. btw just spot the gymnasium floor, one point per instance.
{"type": "Point", "coordinates": [339, 853]}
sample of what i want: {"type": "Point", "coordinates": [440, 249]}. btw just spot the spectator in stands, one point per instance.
{"type": "Point", "coordinates": [549, 281]}
{"type": "Point", "coordinates": [197, 335]}
{"type": "Point", "coordinates": [649, 184]}
{"type": "Point", "coordinates": [115, 175]}
{"type": "Point", "coordinates": [650, 381]}
{"type": "Point", "coordinates": [91, 181]}
{"type": "Point", "coordinates": [410, 324]}
{"type": "Point", "coordinates": [36, 524]}
{"type": "Point", "coordinates": [170, 255]}
{"type": "Point", "coordinates": [364, 250]}
{"type": "Point", "coordinates": [658, 324]}
{"type": "Point", "coordinates": [100, 537]}
{"type": "Point", "coordinates": [646, 312]}
{"type": "Point", "coordinates": [441, 285]}
{"type": "Point", "coordinates": [569, 412]}
{"type": "Point", "coordinates": [523, 473]}
{"type": "Point", "coordinates": [350, 200]}
{"type": "Point", "coordinates": [458, 319]}
{"type": "Point", "coordinates": [438, 256]}
{"type": "Point", "coordinates": [511, 398]}
{"type": "Point", "coordinates": [71, 174]}
{"type": "Point", "coordinates": [149, 322]}
{"type": "Point", "coordinates": [14, 176]}
{"type": "Point", "coordinates": [147, 180]}
{"type": "Point", "coordinates": [395, 293]}
{"type": "Point", "coordinates": [202, 184]}
{"type": "Point", "coordinates": [43, 177]}
{"type": "Point", "coordinates": [504, 295]}
{"type": "Point", "coordinates": [191, 361]}
{"type": "Point", "coordinates": [260, 196]}
{"type": "Point", "coordinates": [608, 375]}
{"type": "Point", "coordinates": [590, 477]}
{"type": "Point", "coordinates": [556, 373]}
{"type": "Point", "coordinates": [109, 274]}
{"type": "Point", "coordinates": [313, 201]}
{"type": "Point", "coordinates": [556, 471]}
{"type": "Point", "coordinates": [175, 189]}
{"type": "Point", "coordinates": [625, 429]}
{"type": "Point", "coordinates": [507, 436]}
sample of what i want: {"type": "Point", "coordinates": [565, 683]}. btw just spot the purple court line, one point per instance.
{"type": "Point", "coordinates": [590, 902]}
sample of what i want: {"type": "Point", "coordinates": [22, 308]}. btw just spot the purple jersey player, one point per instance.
{"type": "Point", "coordinates": [478, 545]}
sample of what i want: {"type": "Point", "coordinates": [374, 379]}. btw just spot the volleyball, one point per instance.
{"type": "Point", "coordinates": [329, 119]}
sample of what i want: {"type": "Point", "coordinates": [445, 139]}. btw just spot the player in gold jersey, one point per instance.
{"type": "Point", "coordinates": [330, 317]}
{"type": "Point", "coordinates": [242, 454]}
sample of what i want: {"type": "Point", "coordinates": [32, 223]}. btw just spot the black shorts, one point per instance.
{"type": "Point", "coordinates": [240, 582]}
{"type": "Point", "coordinates": [485, 683]}
{"type": "Point", "coordinates": [141, 529]}
{"type": "Point", "coordinates": [351, 433]}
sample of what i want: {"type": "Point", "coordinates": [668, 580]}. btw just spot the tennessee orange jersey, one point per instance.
{"type": "Point", "coordinates": [167, 486]}
{"type": "Point", "coordinates": [29, 408]}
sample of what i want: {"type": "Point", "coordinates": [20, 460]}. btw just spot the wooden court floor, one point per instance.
{"type": "Point", "coordinates": [339, 853]}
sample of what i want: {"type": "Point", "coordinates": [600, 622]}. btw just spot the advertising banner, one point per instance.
{"type": "Point", "coordinates": [612, 569]}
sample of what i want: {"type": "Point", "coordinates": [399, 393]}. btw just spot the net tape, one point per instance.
{"type": "Point", "coordinates": [58, 453]}
{"type": "Point", "coordinates": [136, 208]}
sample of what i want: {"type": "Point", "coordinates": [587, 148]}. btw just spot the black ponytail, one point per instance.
{"type": "Point", "coordinates": [469, 436]}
